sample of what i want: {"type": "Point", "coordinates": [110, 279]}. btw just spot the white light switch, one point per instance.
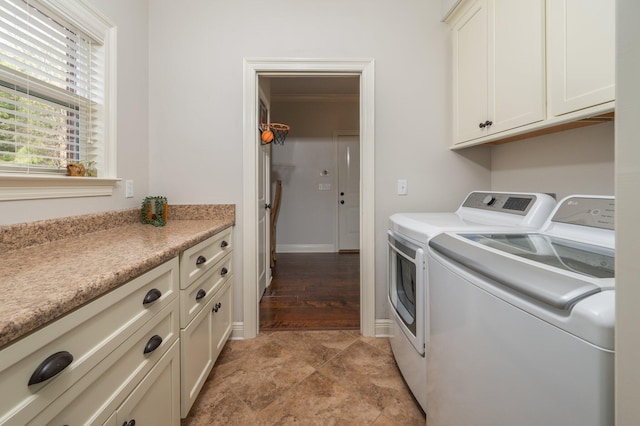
{"type": "Point", "coordinates": [324, 186]}
{"type": "Point", "coordinates": [129, 189]}
{"type": "Point", "coordinates": [402, 187]}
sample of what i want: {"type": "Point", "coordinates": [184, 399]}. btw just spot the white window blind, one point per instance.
{"type": "Point", "coordinates": [51, 88]}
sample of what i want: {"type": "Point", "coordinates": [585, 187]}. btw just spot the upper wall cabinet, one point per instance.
{"type": "Point", "coordinates": [581, 54]}
{"type": "Point", "coordinates": [529, 67]}
{"type": "Point", "coordinates": [498, 66]}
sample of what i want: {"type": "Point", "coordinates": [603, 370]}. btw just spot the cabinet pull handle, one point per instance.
{"type": "Point", "coordinates": [151, 296]}
{"type": "Point", "coordinates": [482, 125]}
{"type": "Point", "coordinates": [488, 123]}
{"type": "Point", "coordinates": [51, 366]}
{"type": "Point", "coordinates": [152, 345]}
{"type": "Point", "coordinates": [131, 422]}
{"type": "Point", "coordinates": [224, 271]}
{"type": "Point", "coordinates": [216, 307]}
{"type": "Point", "coordinates": [200, 260]}
{"type": "Point", "coordinates": [224, 243]}
{"type": "Point", "coordinates": [201, 293]}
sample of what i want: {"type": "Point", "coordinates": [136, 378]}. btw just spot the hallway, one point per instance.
{"type": "Point", "coordinates": [313, 291]}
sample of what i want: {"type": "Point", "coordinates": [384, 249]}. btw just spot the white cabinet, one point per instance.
{"type": "Point", "coordinates": [498, 66]}
{"type": "Point", "coordinates": [530, 67]}
{"type": "Point", "coordinates": [117, 359]}
{"type": "Point", "coordinates": [105, 342]}
{"type": "Point", "coordinates": [205, 315]}
{"type": "Point", "coordinates": [581, 54]}
{"type": "Point", "coordinates": [156, 400]}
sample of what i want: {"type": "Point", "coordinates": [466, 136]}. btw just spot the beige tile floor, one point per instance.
{"type": "Point", "coordinates": [306, 378]}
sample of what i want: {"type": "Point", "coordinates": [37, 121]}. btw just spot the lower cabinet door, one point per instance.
{"type": "Point", "coordinates": [156, 400]}
{"type": "Point", "coordinates": [221, 319]}
{"type": "Point", "coordinates": [196, 357]}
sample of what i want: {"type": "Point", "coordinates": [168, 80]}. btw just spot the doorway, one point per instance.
{"type": "Point", "coordinates": [254, 69]}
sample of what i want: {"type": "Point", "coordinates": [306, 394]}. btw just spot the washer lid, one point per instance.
{"type": "Point", "coordinates": [531, 266]}
{"type": "Point", "coordinates": [569, 255]}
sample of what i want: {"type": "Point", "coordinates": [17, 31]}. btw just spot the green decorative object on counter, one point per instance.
{"type": "Point", "coordinates": [154, 210]}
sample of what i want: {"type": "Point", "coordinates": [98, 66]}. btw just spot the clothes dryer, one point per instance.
{"type": "Point", "coordinates": [408, 288]}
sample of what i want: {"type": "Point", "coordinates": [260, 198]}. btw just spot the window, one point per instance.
{"type": "Point", "coordinates": [57, 90]}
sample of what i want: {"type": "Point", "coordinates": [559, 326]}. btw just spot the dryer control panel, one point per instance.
{"type": "Point", "coordinates": [501, 202]}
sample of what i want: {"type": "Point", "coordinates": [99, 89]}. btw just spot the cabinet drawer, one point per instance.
{"type": "Point", "coordinates": [197, 260]}
{"type": "Point", "coordinates": [89, 334]}
{"type": "Point", "coordinates": [156, 400]}
{"type": "Point", "coordinates": [104, 388]}
{"type": "Point", "coordinates": [194, 298]}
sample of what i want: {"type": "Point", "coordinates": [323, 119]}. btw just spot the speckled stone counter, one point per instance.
{"type": "Point", "coordinates": [49, 268]}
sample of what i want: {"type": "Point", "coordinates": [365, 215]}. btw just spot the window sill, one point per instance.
{"type": "Point", "coordinates": [30, 187]}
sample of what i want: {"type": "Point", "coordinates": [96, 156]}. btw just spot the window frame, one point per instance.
{"type": "Point", "coordinates": [22, 186]}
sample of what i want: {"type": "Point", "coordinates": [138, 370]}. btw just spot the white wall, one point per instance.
{"type": "Point", "coordinates": [307, 218]}
{"type": "Point", "coordinates": [196, 92]}
{"type": "Point", "coordinates": [578, 161]}
{"type": "Point", "coordinates": [133, 156]}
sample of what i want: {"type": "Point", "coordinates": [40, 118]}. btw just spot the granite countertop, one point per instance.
{"type": "Point", "coordinates": [42, 282]}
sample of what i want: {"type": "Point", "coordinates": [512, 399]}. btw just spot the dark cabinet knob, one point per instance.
{"type": "Point", "coordinates": [201, 293]}
{"type": "Point", "coordinates": [50, 367]}
{"type": "Point", "coordinates": [267, 206]}
{"type": "Point", "coordinates": [224, 271]}
{"type": "Point", "coordinates": [129, 423]}
{"type": "Point", "coordinates": [151, 296]}
{"type": "Point", "coordinates": [341, 201]}
{"type": "Point", "coordinates": [152, 344]}
{"type": "Point", "coordinates": [216, 307]}
{"type": "Point", "coordinates": [342, 194]}
{"type": "Point", "coordinates": [200, 260]}
{"type": "Point", "coordinates": [224, 244]}
{"type": "Point", "coordinates": [482, 125]}
{"type": "Point", "coordinates": [485, 124]}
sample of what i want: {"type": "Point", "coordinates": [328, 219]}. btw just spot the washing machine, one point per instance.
{"type": "Point", "coordinates": [408, 287]}
{"type": "Point", "coordinates": [522, 323]}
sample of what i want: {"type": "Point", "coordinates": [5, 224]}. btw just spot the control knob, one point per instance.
{"type": "Point", "coordinates": [489, 200]}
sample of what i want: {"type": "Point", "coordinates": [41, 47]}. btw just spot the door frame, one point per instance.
{"type": "Point", "coordinates": [253, 68]}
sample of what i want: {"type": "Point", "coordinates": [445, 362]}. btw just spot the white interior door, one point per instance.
{"type": "Point", "coordinates": [264, 183]}
{"type": "Point", "coordinates": [348, 147]}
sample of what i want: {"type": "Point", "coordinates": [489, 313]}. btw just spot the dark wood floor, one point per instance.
{"type": "Point", "coordinates": [313, 291]}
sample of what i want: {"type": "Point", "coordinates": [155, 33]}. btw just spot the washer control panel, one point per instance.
{"type": "Point", "coordinates": [596, 212]}
{"type": "Point", "coordinates": [501, 202]}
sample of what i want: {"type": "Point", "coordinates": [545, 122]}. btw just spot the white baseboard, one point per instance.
{"type": "Point", "coordinates": [237, 331]}
{"type": "Point", "coordinates": [305, 248]}
{"type": "Point", "coordinates": [383, 328]}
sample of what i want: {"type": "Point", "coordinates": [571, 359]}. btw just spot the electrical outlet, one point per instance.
{"type": "Point", "coordinates": [402, 187]}
{"type": "Point", "coordinates": [129, 189]}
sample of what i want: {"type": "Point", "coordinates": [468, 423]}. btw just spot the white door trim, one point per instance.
{"type": "Point", "coordinates": [363, 68]}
